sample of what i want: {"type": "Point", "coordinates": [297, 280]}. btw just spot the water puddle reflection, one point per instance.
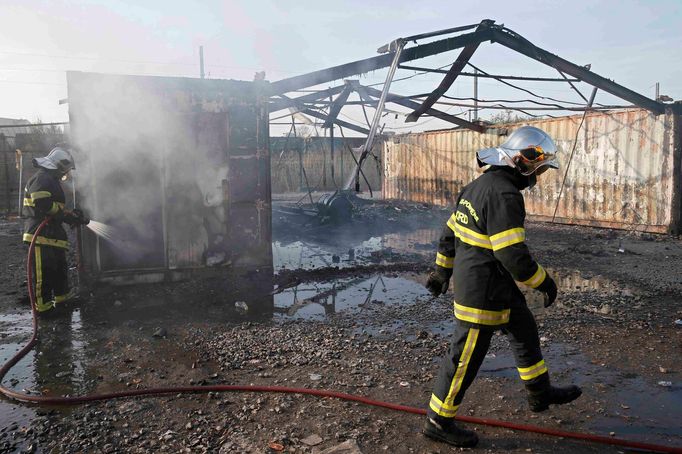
{"type": "Point", "coordinates": [318, 300]}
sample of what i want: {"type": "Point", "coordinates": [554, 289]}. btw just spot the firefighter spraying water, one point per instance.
{"type": "Point", "coordinates": [44, 198]}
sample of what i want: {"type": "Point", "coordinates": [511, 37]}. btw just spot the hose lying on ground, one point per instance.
{"type": "Point", "coordinates": [46, 400]}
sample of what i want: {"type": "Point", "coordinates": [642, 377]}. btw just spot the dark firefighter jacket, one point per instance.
{"type": "Point", "coordinates": [44, 197]}
{"type": "Point", "coordinates": [483, 248]}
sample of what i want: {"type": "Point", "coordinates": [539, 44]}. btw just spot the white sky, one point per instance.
{"type": "Point", "coordinates": [635, 43]}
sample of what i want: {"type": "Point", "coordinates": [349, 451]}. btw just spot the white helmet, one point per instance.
{"type": "Point", "coordinates": [59, 158]}
{"type": "Point", "coordinates": [528, 149]}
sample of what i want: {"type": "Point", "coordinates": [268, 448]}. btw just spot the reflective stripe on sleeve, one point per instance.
{"type": "Point", "coordinates": [537, 278]}
{"type": "Point", "coordinates": [529, 373]}
{"type": "Point", "coordinates": [481, 316]}
{"type": "Point", "coordinates": [444, 261]}
{"type": "Point", "coordinates": [60, 298]}
{"type": "Point", "coordinates": [507, 238]}
{"type": "Point", "coordinates": [28, 237]}
{"type": "Point", "coordinates": [40, 195]}
{"type": "Point", "coordinates": [451, 223]}
{"type": "Point", "coordinates": [29, 203]}
{"type": "Point", "coordinates": [56, 206]}
{"type": "Point", "coordinates": [467, 235]}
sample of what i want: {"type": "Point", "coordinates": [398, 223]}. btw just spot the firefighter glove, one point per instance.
{"type": "Point", "coordinates": [75, 217]}
{"type": "Point", "coordinates": [439, 281]}
{"type": "Point", "coordinates": [548, 287]}
{"type": "Point", "coordinates": [81, 218]}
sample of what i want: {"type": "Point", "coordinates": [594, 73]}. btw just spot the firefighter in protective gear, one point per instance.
{"type": "Point", "coordinates": [44, 197]}
{"type": "Point", "coordinates": [483, 248]}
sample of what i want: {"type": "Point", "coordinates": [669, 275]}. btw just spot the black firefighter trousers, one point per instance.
{"type": "Point", "coordinates": [50, 276]}
{"type": "Point", "coordinates": [467, 350]}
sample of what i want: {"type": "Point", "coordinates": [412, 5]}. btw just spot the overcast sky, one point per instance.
{"type": "Point", "coordinates": [635, 43]}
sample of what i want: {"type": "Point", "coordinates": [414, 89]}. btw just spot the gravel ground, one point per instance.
{"type": "Point", "coordinates": [612, 331]}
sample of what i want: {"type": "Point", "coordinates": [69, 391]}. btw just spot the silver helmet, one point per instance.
{"type": "Point", "coordinates": [528, 149]}
{"type": "Point", "coordinates": [59, 158]}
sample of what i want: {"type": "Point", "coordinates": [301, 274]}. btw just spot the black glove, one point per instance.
{"type": "Point", "coordinates": [75, 217]}
{"type": "Point", "coordinates": [439, 281]}
{"type": "Point", "coordinates": [81, 218]}
{"type": "Point", "coordinates": [548, 287]}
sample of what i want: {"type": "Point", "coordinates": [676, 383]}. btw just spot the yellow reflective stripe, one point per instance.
{"type": "Point", "coordinates": [529, 373]}
{"type": "Point", "coordinates": [29, 203]}
{"type": "Point", "coordinates": [56, 206]}
{"type": "Point", "coordinates": [444, 261]}
{"type": "Point", "coordinates": [507, 238]}
{"type": "Point", "coordinates": [60, 298]}
{"type": "Point", "coordinates": [39, 277]}
{"type": "Point", "coordinates": [28, 237]}
{"type": "Point", "coordinates": [537, 278]}
{"type": "Point", "coordinates": [441, 409]}
{"type": "Point", "coordinates": [471, 233]}
{"type": "Point", "coordinates": [462, 367]}
{"type": "Point", "coordinates": [41, 306]}
{"type": "Point", "coordinates": [468, 236]}
{"type": "Point", "coordinates": [40, 195]}
{"type": "Point", "coordinates": [451, 223]}
{"type": "Point", "coordinates": [481, 316]}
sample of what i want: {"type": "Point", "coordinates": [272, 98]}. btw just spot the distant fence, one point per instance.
{"type": "Point", "coordinates": [625, 173]}
{"type": "Point", "coordinates": [299, 163]}
{"type": "Point", "coordinates": [31, 145]}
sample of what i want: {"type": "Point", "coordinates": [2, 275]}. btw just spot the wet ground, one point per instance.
{"type": "Point", "coordinates": [348, 311]}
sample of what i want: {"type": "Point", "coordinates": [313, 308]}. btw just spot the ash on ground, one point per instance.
{"type": "Point", "coordinates": [347, 312]}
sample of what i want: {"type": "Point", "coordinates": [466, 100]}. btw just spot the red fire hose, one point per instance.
{"type": "Point", "coordinates": [45, 400]}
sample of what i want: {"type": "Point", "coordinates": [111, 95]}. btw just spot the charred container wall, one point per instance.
{"type": "Point", "coordinates": [179, 171]}
{"type": "Point", "coordinates": [624, 173]}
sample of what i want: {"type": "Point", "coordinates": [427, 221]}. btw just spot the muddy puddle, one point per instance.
{"type": "Point", "coordinates": [625, 403]}
{"type": "Point", "coordinates": [56, 366]}
{"type": "Point", "coordinates": [317, 300]}
{"type": "Point", "coordinates": [351, 250]}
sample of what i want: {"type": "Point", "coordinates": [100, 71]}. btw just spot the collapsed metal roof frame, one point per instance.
{"type": "Point", "coordinates": [487, 30]}
{"type": "Point", "coordinates": [396, 53]}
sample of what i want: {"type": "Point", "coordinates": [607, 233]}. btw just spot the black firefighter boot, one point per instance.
{"type": "Point", "coordinates": [541, 395]}
{"type": "Point", "coordinates": [445, 429]}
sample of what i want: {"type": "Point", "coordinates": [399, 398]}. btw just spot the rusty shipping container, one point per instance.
{"type": "Point", "coordinates": [625, 172]}
{"type": "Point", "coordinates": [177, 169]}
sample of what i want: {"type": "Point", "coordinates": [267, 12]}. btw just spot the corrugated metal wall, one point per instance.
{"type": "Point", "coordinates": [623, 172]}
{"type": "Point", "coordinates": [314, 155]}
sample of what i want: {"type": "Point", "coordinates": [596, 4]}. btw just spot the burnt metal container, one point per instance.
{"type": "Point", "coordinates": [177, 170]}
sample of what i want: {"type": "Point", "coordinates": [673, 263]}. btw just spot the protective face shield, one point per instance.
{"type": "Point", "coordinates": [59, 158]}
{"type": "Point", "coordinates": [528, 149]}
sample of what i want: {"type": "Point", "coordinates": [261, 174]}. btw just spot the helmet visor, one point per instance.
{"type": "Point", "coordinates": [535, 160]}
{"type": "Point", "coordinates": [531, 149]}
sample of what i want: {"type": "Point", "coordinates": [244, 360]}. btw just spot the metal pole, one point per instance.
{"type": "Point", "coordinates": [20, 168]}
{"type": "Point", "coordinates": [475, 94]}
{"type": "Point", "coordinates": [355, 178]}
{"type": "Point", "coordinates": [331, 152]}
{"type": "Point", "coordinates": [201, 61]}
{"type": "Point", "coordinates": [658, 90]}
{"type": "Point", "coordinates": [300, 166]}
{"type": "Point", "coordinates": [343, 173]}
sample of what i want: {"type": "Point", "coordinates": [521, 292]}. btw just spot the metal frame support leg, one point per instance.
{"type": "Point", "coordinates": [397, 46]}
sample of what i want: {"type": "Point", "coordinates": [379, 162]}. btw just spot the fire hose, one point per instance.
{"type": "Point", "coordinates": [73, 400]}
